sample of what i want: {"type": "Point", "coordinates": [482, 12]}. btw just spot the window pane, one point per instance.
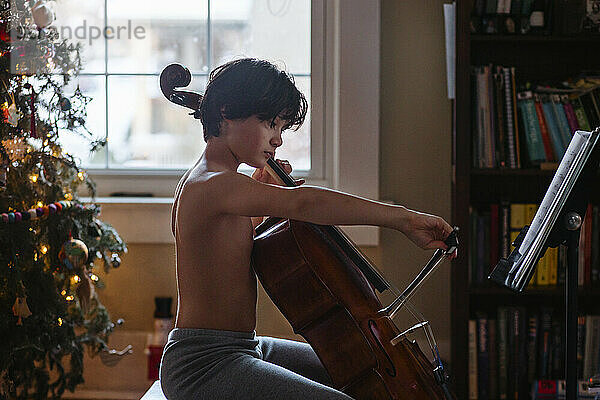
{"type": "Point", "coordinates": [296, 144]}
{"type": "Point", "coordinates": [148, 35]}
{"type": "Point", "coordinates": [76, 145]}
{"type": "Point", "coordinates": [82, 22]}
{"type": "Point", "coordinates": [146, 130]}
{"type": "Point", "coordinates": [275, 30]}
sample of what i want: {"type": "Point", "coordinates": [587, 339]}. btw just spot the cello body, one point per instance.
{"type": "Point", "coordinates": [330, 303]}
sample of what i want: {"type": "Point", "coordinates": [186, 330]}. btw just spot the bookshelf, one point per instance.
{"type": "Point", "coordinates": [542, 57]}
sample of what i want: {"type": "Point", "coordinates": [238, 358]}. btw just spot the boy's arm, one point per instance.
{"type": "Point", "coordinates": [240, 195]}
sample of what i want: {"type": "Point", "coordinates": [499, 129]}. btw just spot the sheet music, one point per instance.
{"type": "Point", "coordinates": [555, 198]}
{"type": "Point", "coordinates": [551, 197]}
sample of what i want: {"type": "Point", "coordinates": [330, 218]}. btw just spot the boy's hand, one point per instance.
{"type": "Point", "coordinates": [428, 231]}
{"type": "Point", "coordinates": [261, 174]}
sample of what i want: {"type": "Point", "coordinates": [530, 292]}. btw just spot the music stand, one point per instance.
{"type": "Point", "coordinates": [558, 220]}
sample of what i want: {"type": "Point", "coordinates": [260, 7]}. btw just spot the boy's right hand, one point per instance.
{"type": "Point", "coordinates": [262, 175]}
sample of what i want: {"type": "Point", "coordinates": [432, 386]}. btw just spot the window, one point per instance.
{"type": "Point", "coordinates": [344, 120]}
{"type": "Point", "coordinates": [145, 133]}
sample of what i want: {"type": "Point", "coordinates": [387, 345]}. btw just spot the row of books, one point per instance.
{"type": "Point", "coordinates": [511, 350]}
{"type": "Point", "coordinates": [514, 128]}
{"type": "Point", "coordinates": [495, 229]}
{"type": "Point", "coordinates": [556, 389]}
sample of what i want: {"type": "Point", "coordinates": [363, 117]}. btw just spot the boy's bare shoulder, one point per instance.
{"type": "Point", "coordinates": [212, 186]}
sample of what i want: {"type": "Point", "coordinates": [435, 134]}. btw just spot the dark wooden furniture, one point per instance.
{"type": "Point", "coordinates": [537, 58]}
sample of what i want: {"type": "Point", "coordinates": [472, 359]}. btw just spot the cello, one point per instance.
{"type": "Point", "coordinates": [325, 288]}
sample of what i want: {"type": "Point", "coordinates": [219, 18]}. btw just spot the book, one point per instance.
{"type": "Point", "coordinates": [494, 236]}
{"type": "Point", "coordinates": [493, 359]}
{"type": "Point", "coordinates": [505, 229]}
{"type": "Point", "coordinates": [580, 345]}
{"type": "Point", "coordinates": [483, 379]}
{"type": "Point", "coordinates": [545, 345]}
{"type": "Point", "coordinates": [510, 119]}
{"type": "Point", "coordinates": [473, 390]}
{"type": "Point", "coordinates": [549, 151]}
{"type": "Point", "coordinates": [553, 128]}
{"type": "Point", "coordinates": [533, 136]}
{"type": "Point", "coordinates": [590, 108]}
{"type": "Point", "coordinates": [500, 135]}
{"type": "Point", "coordinates": [582, 120]}
{"type": "Point", "coordinates": [552, 265]}
{"type": "Point", "coordinates": [532, 343]}
{"type": "Point", "coordinates": [557, 369]}
{"type": "Point", "coordinates": [516, 125]}
{"type": "Point", "coordinates": [502, 335]}
{"type": "Point", "coordinates": [561, 118]}
{"type": "Point", "coordinates": [570, 113]}
{"type": "Point", "coordinates": [592, 346]}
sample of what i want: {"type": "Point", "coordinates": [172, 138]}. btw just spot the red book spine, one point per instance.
{"type": "Point", "coordinates": [544, 129]}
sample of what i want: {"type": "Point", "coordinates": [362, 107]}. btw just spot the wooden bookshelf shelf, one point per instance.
{"type": "Point", "coordinates": [513, 172]}
{"type": "Point", "coordinates": [549, 291]}
{"type": "Point", "coordinates": [536, 38]}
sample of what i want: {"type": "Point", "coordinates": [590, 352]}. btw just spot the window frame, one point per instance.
{"type": "Point", "coordinates": [344, 123]}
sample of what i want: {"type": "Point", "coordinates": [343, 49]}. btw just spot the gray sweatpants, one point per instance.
{"type": "Point", "coordinates": [221, 365]}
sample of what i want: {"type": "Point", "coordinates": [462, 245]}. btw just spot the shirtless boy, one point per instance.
{"type": "Point", "coordinates": [213, 352]}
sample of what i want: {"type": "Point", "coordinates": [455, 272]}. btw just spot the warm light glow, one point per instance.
{"type": "Point", "coordinates": [69, 297]}
{"type": "Point", "coordinates": [76, 278]}
{"type": "Point", "coordinates": [94, 278]}
{"type": "Point", "coordinates": [35, 257]}
{"type": "Point", "coordinates": [44, 249]}
{"type": "Point", "coordinates": [40, 204]}
{"type": "Point", "coordinates": [68, 196]}
{"type": "Point", "coordinates": [80, 175]}
{"type": "Point", "coordinates": [64, 292]}
{"type": "Point", "coordinates": [33, 178]}
{"type": "Point", "coordinates": [60, 321]}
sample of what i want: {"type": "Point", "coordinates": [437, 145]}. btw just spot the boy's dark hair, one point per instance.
{"type": "Point", "coordinates": [246, 87]}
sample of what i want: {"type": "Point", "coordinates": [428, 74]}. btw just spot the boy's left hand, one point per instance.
{"type": "Point", "coordinates": [261, 174]}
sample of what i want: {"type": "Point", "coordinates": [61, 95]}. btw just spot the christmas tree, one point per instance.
{"type": "Point", "coordinates": [51, 244]}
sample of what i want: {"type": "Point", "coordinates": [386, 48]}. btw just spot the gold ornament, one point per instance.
{"type": "Point", "coordinates": [20, 308]}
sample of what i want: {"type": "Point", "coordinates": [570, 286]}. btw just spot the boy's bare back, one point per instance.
{"type": "Point", "coordinates": [216, 284]}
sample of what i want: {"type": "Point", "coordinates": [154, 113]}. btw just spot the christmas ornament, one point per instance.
{"type": "Point", "coordinates": [42, 13]}
{"type": "Point", "coordinates": [32, 104]}
{"type": "Point", "coordinates": [20, 308]}
{"type": "Point", "coordinates": [13, 115]}
{"type": "Point", "coordinates": [65, 104]}
{"type": "Point", "coordinates": [73, 253]}
{"type": "Point", "coordinates": [115, 260]}
{"type": "Point", "coordinates": [10, 112]}
{"type": "Point", "coordinates": [85, 292]}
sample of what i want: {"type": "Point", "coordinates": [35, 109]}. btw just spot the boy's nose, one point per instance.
{"type": "Point", "coordinates": [276, 140]}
